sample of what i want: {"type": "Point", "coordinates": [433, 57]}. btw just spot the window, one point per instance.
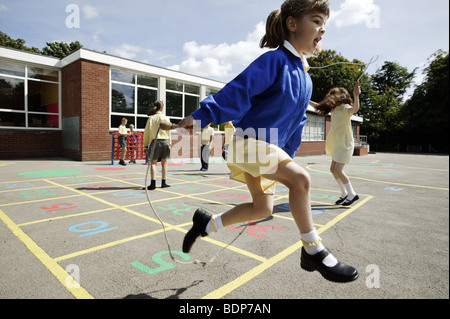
{"type": "Point", "coordinates": [29, 96]}
{"type": "Point", "coordinates": [181, 99]}
{"type": "Point", "coordinates": [132, 95]}
{"type": "Point", "coordinates": [314, 129]}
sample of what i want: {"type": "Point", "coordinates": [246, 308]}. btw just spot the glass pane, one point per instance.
{"type": "Point", "coordinates": [43, 120]}
{"type": "Point", "coordinates": [141, 122]}
{"type": "Point", "coordinates": [191, 89]}
{"type": "Point", "coordinates": [42, 97]}
{"type": "Point", "coordinates": [147, 81]}
{"type": "Point", "coordinates": [210, 91]}
{"type": "Point", "coordinates": [174, 86]}
{"type": "Point", "coordinates": [12, 68]}
{"type": "Point", "coordinates": [174, 104]}
{"type": "Point", "coordinates": [12, 119]}
{"type": "Point", "coordinates": [12, 94]}
{"type": "Point", "coordinates": [146, 98]}
{"type": "Point", "coordinates": [43, 74]}
{"type": "Point", "coordinates": [122, 76]}
{"type": "Point", "coordinates": [122, 99]}
{"type": "Point", "coordinates": [191, 104]}
{"type": "Point", "coordinates": [116, 121]}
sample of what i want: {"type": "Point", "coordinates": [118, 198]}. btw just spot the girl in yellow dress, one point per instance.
{"type": "Point", "coordinates": [340, 143]}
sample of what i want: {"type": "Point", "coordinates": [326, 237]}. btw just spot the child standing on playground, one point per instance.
{"type": "Point", "coordinates": [123, 134]}
{"type": "Point", "coordinates": [268, 103]}
{"type": "Point", "coordinates": [157, 138]}
{"type": "Point", "coordinates": [340, 144]}
{"type": "Point", "coordinates": [206, 139]}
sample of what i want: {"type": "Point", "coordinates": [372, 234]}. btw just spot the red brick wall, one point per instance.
{"type": "Point", "coordinates": [85, 94]}
{"type": "Point", "coordinates": [29, 143]}
{"type": "Point", "coordinates": [95, 137]}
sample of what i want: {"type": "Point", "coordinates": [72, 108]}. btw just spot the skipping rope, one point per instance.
{"type": "Point", "coordinates": [151, 152]}
{"type": "Point", "coordinates": [195, 261]}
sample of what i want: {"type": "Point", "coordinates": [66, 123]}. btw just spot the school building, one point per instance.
{"type": "Point", "coordinates": [70, 107]}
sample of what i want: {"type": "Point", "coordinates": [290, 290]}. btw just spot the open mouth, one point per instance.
{"type": "Point", "coordinates": [316, 42]}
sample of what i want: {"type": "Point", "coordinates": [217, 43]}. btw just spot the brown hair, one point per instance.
{"type": "Point", "coordinates": [334, 98]}
{"type": "Point", "coordinates": [276, 29]}
{"type": "Point", "coordinates": [155, 108]}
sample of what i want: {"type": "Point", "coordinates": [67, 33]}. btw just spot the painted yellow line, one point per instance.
{"type": "Point", "coordinates": [249, 275]}
{"type": "Point", "coordinates": [39, 200]}
{"type": "Point", "coordinates": [74, 288]}
{"type": "Point", "coordinates": [110, 244]}
{"type": "Point", "coordinates": [93, 212]}
{"type": "Point", "coordinates": [65, 216]}
{"type": "Point", "coordinates": [385, 182]}
{"type": "Point", "coordinates": [168, 226]}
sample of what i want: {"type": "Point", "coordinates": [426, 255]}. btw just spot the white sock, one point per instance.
{"type": "Point", "coordinates": [350, 191]}
{"type": "Point", "coordinates": [341, 187]}
{"type": "Point", "coordinates": [217, 223]}
{"type": "Point", "coordinates": [330, 260]}
{"type": "Point", "coordinates": [309, 238]}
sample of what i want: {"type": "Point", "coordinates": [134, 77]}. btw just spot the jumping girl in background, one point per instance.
{"type": "Point", "coordinates": [340, 143]}
{"type": "Point", "coordinates": [268, 103]}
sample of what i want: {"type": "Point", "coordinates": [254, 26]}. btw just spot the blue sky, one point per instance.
{"type": "Point", "coordinates": [218, 39]}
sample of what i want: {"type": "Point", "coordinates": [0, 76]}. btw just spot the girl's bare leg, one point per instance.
{"type": "Point", "coordinates": [260, 208]}
{"type": "Point", "coordinates": [298, 181]}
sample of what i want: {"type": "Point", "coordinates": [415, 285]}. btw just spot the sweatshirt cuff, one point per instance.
{"type": "Point", "coordinates": [203, 116]}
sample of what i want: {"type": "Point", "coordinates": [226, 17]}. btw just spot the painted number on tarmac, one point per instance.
{"type": "Point", "coordinates": [178, 208]}
{"type": "Point", "coordinates": [19, 185]}
{"type": "Point", "coordinates": [101, 228]}
{"type": "Point", "coordinates": [253, 231]}
{"type": "Point", "coordinates": [129, 195]}
{"type": "Point", "coordinates": [36, 193]}
{"type": "Point", "coordinates": [58, 207]}
{"type": "Point", "coordinates": [233, 196]}
{"type": "Point", "coordinates": [163, 265]}
{"type": "Point", "coordinates": [314, 210]}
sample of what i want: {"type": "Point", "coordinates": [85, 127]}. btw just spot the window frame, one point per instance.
{"type": "Point", "coordinates": [136, 88]}
{"type": "Point", "coordinates": [25, 78]}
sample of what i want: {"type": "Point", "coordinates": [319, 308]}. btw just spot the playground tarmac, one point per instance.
{"type": "Point", "coordinates": [85, 230]}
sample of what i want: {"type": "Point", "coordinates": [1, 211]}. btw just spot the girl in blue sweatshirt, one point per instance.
{"type": "Point", "coordinates": [267, 103]}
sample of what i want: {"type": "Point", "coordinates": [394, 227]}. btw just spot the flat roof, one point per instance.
{"type": "Point", "coordinates": [115, 62]}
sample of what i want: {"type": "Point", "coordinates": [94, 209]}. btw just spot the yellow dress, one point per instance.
{"type": "Point", "coordinates": [340, 144]}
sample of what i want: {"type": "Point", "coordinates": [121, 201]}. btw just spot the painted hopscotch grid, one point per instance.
{"type": "Point", "coordinates": [123, 222]}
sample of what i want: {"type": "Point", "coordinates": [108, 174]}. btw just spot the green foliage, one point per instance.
{"type": "Point", "coordinates": [61, 49]}
{"type": "Point", "coordinates": [55, 49]}
{"type": "Point", "coordinates": [426, 113]}
{"type": "Point", "coordinates": [19, 44]}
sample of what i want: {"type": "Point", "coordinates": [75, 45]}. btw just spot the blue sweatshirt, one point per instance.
{"type": "Point", "coordinates": [268, 100]}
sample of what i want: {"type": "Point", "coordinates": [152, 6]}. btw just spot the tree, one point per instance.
{"type": "Point", "coordinates": [426, 113]}
{"type": "Point", "coordinates": [330, 69]}
{"type": "Point", "coordinates": [383, 123]}
{"type": "Point", "coordinates": [7, 41]}
{"type": "Point", "coordinates": [61, 49]}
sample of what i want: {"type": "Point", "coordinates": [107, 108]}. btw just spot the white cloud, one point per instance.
{"type": "Point", "coordinates": [212, 60]}
{"type": "Point", "coordinates": [89, 11]}
{"type": "Point", "coordinates": [3, 8]}
{"type": "Point", "coordinates": [127, 51]}
{"type": "Point", "coordinates": [353, 12]}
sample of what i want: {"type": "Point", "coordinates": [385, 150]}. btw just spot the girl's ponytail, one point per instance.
{"type": "Point", "coordinates": [275, 34]}
{"type": "Point", "coordinates": [155, 108]}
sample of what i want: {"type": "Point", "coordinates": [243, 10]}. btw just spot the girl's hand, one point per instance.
{"type": "Point", "coordinates": [188, 123]}
{"type": "Point", "coordinates": [357, 91]}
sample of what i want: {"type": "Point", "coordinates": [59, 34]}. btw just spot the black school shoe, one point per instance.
{"type": "Point", "coordinates": [339, 273]}
{"type": "Point", "coordinates": [341, 200]}
{"type": "Point", "coordinates": [348, 202]}
{"type": "Point", "coordinates": [201, 219]}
